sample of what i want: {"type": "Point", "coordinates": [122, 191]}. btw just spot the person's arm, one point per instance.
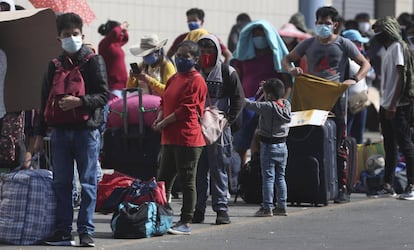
{"type": "Point", "coordinates": [167, 70]}
{"type": "Point", "coordinates": [287, 81]}
{"type": "Point", "coordinates": [258, 107]}
{"type": "Point", "coordinates": [98, 81]}
{"type": "Point", "coordinates": [362, 72]}
{"type": "Point", "coordinates": [227, 56]}
{"type": "Point", "coordinates": [164, 122]}
{"type": "Point", "coordinates": [287, 63]}
{"type": "Point", "coordinates": [236, 98]}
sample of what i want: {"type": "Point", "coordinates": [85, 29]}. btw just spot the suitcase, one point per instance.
{"type": "Point", "coordinates": [311, 173]}
{"type": "Point", "coordinates": [351, 163]}
{"type": "Point", "coordinates": [132, 149]}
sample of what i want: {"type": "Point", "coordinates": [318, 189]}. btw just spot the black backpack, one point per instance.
{"type": "Point", "coordinates": [250, 181]}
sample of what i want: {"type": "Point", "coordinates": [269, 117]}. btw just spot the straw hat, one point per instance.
{"type": "Point", "coordinates": [148, 44]}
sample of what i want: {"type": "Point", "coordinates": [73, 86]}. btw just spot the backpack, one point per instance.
{"type": "Point", "coordinates": [66, 81]}
{"type": "Point", "coordinates": [250, 181]}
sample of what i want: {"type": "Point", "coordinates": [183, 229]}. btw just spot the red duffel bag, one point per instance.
{"type": "Point", "coordinates": [108, 184]}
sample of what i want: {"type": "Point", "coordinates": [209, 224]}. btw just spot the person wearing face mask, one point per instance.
{"type": "Point", "coordinates": [195, 21]}
{"type": "Point", "coordinates": [358, 92]}
{"type": "Point", "coordinates": [181, 138]}
{"type": "Point", "coordinates": [364, 25]}
{"type": "Point", "coordinates": [225, 92]}
{"type": "Point", "coordinates": [78, 141]}
{"type": "Point", "coordinates": [327, 54]}
{"type": "Point", "coordinates": [241, 21]}
{"type": "Point", "coordinates": [395, 106]}
{"type": "Point", "coordinates": [156, 69]}
{"type": "Point", "coordinates": [256, 59]}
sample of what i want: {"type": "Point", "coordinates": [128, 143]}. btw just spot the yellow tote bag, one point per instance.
{"type": "Point", "coordinates": [312, 92]}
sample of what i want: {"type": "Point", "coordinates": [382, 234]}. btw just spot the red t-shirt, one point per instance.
{"type": "Point", "coordinates": [185, 95]}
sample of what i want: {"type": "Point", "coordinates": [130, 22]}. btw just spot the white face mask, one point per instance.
{"type": "Point", "coordinates": [364, 27]}
{"type": "Point", "coordinates": [72, 44]}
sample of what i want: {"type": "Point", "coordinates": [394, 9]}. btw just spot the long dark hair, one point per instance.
{"type": "Point", "coordinates": [104, 29]}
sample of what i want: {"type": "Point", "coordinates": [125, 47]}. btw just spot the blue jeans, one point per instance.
{"type": "Point", "coordinates": [356, 125]}
{"type": "Point", "coordinates": [273, 158]}
{"type": "Point", "coordinates": [82, 146]}
{"type": "Point", "coordinates": [216, 158]}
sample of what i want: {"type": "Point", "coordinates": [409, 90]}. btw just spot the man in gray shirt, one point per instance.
{"type": "Point", "coordinates": [327, 56]}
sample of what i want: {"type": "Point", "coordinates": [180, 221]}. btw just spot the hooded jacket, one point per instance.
{"type": "Point", "coordinates": [224, 86]}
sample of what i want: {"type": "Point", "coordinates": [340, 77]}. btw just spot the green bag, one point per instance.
{"type": "Point", "coordinates": [365, 151]}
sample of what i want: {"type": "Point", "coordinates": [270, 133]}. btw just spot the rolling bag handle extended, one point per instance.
{"type": "Point", "coordinates": [125, 91]}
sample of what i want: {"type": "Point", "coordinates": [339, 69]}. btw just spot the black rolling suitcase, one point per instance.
{"type": "Point", "coordinates": [133, 149]}
{"type": "Point", "coordinates": [311, 172]}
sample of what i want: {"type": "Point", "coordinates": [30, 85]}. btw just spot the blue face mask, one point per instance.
{"type": "Point", "coordinates": [323, 30]}
{"type": "Point", "coordinates": [150, 59]}
{"type": "Point", "coordinates": [193, 25]}
{"type": "Point", "coordinates": [184, 65]}
{"type": "Point", "coordinates": [260, 42]}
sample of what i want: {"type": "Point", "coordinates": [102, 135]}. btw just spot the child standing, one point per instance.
{"type": "Point", "coordinates": [73, 139]}
{"type": "Point", "coordinates": [274, 113]}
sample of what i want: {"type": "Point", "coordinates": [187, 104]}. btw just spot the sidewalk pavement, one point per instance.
{"type": "Point", "coordinates": [364, 223]}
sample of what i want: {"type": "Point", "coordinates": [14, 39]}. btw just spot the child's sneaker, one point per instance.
{"type": "Point", "coordinates": [180, 229]}
{"type": "Point", "coordinates": [279, 212]}
{"type": "Point", "coordinates": [264, 212]}
{"type": "Point", "coordinates": [408, 194]}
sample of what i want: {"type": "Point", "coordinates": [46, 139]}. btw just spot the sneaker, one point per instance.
{"type": "Point", "coordinates": [198, 216]}
{"type": "Point", "coordinates": [408, 194]}
{"type": "Point", "coordinates": [386, 191]}
{"type": "Point", "coordinates": [85, 240]}
{"type": "Point", "coordinates": [222, 218]}
{"type": "Point", "coordinates": [343, 196]}
{"type": "Point", "coordinates": [279, 212]}
{"type": "Point", "coordinates": [264, 212]}
{"type": "Point", "coordinates": [60, 238]}
{"type": "Point", "coordinates": [180, 229]}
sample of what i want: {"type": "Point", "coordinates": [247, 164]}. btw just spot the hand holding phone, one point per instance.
{"type": "Point", "coordinates": [135, 68]}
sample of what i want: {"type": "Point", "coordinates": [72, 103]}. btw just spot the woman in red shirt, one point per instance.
{"type": "Point", "coordinates": [181, 137]}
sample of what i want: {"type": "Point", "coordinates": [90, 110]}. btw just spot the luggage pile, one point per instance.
{"type": "Point", "coordinates": [140, 210]}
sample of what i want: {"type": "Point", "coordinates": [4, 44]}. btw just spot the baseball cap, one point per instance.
{"type": "Point", "coordinates": [354, 36]}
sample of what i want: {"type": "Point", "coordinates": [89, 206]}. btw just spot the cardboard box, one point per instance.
{"type": "Point", "coordinates": [28, 38]}
{"type": "Point", "coordinates": [308, 117]}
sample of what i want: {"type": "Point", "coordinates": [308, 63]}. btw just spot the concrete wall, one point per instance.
{"type": "Point", "coordinates": [393, 7]}
{"type": "Point", "coordinates": [168, 19]}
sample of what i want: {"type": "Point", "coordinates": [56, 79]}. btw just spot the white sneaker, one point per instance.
{"type": "Point", "coordinates": [408, 195]}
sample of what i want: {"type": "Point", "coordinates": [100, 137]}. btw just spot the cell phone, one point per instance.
{"type": "Point", "coordinates": [135, 68]}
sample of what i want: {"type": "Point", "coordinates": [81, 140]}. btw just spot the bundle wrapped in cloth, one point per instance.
{"type": "Point", "coordinates": [312, 92]}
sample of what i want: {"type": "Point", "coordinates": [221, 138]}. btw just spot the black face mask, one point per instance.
{"type": "Point", "coordinates": [381, 37]}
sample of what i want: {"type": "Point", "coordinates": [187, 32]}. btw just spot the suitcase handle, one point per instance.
{"type": "Point", "coordinates": [125, 91]}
